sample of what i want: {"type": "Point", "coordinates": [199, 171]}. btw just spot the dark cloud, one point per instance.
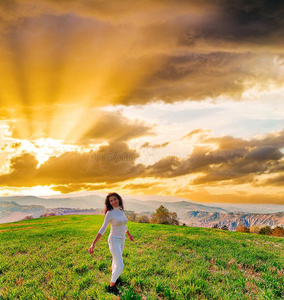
{"type": "Point", "coordinates": [257, 19]}
{"type": "Point", "coordinates": [264, 154]}
{"type": "Point", "coordinates": [165, 167]}
{"type": "Point", "coordinates": [276, 180]}
{"type": "Point", "coordinates": [235, 160]}
{"type": "Point", "coordinates": [274, 139]}
{"type": "Point", "coordinates": [113, 126]}
{"type": "Point", "coordinates": [240, 23]}
{"type": "Point", "coordinates": [200, 75]}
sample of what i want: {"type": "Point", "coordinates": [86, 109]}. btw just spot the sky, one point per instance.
{"type": "Point", "coordinates": [168, 98]}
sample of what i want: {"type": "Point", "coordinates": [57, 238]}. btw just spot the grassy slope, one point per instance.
{"type": "Point", "coordinates": [47, 258]}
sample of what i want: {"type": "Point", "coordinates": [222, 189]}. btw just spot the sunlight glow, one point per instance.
{"type": "Point", "coordinates": [36, 191]}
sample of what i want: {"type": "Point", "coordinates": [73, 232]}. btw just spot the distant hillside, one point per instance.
{"type": "Point", "coordinates": [73, 211]}
{"type": "Point", "coordinates": [95, 201]}
{"type": "Point", "coordinates": [232, 220]}
{"type": "Point", "coordinates": [178, 207]}
{"type": "Point", "coordinates": [12, 211]}
{"type": "Point", "coordinates": [76, 202]}
{"type": "Point", "coordinates": [191, 213]}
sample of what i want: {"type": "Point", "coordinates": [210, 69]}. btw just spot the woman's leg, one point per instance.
{"type": "Point", "coordinates": [116, 246]}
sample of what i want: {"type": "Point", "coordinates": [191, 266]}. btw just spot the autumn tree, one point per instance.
{"type": "Point", "coordinates": [164, 216]}
{"type": "Point", "coordinates": [132, 217]}
{"type": "Point", "coordinates": [255, 229]}
{"type": "Point", "coordinates": [46, 214]}
{"type": "Point", "coordinates": [278, 231]}
{"type": "Point", "coordinates": [265, 230]}
{"type": "Point", "coordinates": [27, 218]}
{"type": "Point", "coordinates": [242, 228]}
{"type": "Point", "coordinates": [142, 219]}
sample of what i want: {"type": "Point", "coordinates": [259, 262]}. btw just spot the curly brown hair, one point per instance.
{"type": "Point", "coordinates": [108, 206]}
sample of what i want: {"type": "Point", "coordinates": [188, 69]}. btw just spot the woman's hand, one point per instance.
{"type": "Point", "coordinates": [131, 237]}
{"type": "Point", "coordinates": [91, 249]}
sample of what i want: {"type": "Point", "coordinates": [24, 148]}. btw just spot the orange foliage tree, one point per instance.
{"type": "Point", "coordinates": [242, 228]}
{"type": "Point", "coordinates": [278, 231]}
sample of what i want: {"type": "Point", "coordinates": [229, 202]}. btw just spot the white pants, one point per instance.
{"type": "Point", "coordinates": [116, 246]}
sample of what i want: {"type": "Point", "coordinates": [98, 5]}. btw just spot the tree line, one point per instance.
{"type": "Point", "coordinates": [161, 216]}
{"type": "Point", "coordinates": [265, 230]}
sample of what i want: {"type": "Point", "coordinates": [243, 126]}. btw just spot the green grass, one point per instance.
{"type": "Point", "coordinates": [47, 258]}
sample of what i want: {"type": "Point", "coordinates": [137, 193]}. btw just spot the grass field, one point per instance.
{"type": "Point", "coordinates": [47, 258]}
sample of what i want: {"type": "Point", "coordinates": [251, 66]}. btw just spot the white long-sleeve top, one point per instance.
{"type": "Point", "coordinates": [117, 220]}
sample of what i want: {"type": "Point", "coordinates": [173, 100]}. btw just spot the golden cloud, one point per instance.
{"type": "Point", "coordinates": [110, 163]}
{"type": "Point", "coordinates": [70, 188]}
{"type": "Point", "coordinates": [99, 53]}
{"type": "Point", "coordinates": [154, 146]}
{"type": "Point", "coordinates": [75, 124]}
{"type": "Point", "coordinates": [138, 186]}
{"type": "Point", "coordinates": [113, 126]}
{"type": "Point", "coordinates": [240, 161]}
{"type": "Point", "coordinates": [197, 133]}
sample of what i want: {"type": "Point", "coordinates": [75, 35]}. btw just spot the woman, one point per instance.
{"type": "Point", "coordinates": [114, 214]}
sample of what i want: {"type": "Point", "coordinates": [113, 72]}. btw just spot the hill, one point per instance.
{"type": "Point", "coordinates": [10, 211]}
{"type": "Point", "coordinates": [190, 213]}
{"type": "Point", "coordinates": [93, 202]}
{"type": "Point", "coordinates": [233, 220]}
{"type": "Point", "coordinates": [72, 202]}
{"type": "Point", "coordinates": [47, 258]}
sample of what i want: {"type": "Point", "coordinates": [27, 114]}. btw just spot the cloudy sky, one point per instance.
{"type": "Point", "coordinates": [174, 98]}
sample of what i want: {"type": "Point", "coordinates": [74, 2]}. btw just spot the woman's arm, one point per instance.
{"type": "Point", "coordinates": [105, 224]}
{"type": "Point", "coordinates": [100, 233]}
{"type": "Point", "coordinates": [91, 249]}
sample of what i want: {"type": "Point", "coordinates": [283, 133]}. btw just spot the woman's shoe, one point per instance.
{"type": "Point", "coordinates": [113, 290]}
{"type": "Point", "coordinates": [119, 282]}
